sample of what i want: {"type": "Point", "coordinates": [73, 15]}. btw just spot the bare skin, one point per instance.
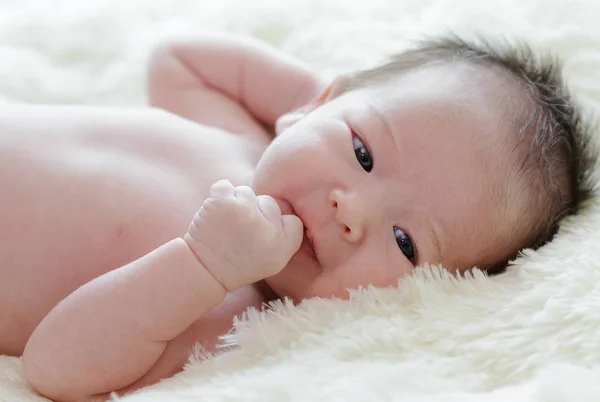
{"type": "Point", "coordinates": [104, 199]}
{"type": "Point", "coordinates": [108, 186]}
{"type": "Point", "coordinates": [99, 200]}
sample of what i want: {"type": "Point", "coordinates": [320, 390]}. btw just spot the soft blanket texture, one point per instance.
{"type": "Point", "coordinates": [532, 334]}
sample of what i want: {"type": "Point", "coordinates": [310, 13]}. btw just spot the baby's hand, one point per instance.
{"type": "Point", "coordinates": [241, 238]}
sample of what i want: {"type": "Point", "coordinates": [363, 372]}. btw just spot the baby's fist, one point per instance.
{"type": "Point", "coordinates": [241, 238]}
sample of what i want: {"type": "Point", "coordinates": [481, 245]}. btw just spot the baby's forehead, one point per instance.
{"type": "Point", "coordinates": [460, 97]}
{"type": "Point", "coordinates": [452, 85]}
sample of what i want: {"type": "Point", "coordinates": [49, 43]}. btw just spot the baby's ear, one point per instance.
{"type": "Point", "coordinates": [287, 120]}
{"type": "Point", "coordinates": [330, 92]}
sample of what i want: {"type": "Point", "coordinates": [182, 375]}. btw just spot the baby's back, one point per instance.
{"type": "Point", "coordinates": [88, 190]}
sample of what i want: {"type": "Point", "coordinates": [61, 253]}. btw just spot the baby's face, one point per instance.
{"type": "Point", "coordinates": [386, 180]}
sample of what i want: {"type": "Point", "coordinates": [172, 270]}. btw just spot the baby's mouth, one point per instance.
{"type": "Point", "coordinates": [307, 244]}
{"type": "Point", "coordinates": [285, 207]}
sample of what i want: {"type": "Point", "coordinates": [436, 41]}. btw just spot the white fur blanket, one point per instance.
{"type": "Point", "coordinates": [532, 334]}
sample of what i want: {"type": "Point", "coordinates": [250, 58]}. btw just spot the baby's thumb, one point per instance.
{"type": "Point", "coordinates": [293, 230]}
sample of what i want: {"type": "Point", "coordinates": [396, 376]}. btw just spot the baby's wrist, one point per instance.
{"type": "Point", "coordinates": [189, 240]}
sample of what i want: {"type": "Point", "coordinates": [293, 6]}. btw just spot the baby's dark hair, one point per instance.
{"type": "Point", "coordinates": [555, 167]}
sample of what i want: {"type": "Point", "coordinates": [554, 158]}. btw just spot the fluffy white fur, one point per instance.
{"type": "Point", "coordinates": [532, 334]}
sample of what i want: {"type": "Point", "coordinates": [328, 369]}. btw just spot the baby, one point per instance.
{"type": "Point", "coordinates": [451, 154]}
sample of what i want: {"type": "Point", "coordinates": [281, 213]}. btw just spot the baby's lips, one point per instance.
{"type": "Point", "coordinates": [286, 207]}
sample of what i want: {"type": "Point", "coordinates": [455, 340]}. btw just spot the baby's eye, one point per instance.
{"type": "Point", "coordinates": [405, 244]}
{"type": "Point", "coordinates": [362, 154]}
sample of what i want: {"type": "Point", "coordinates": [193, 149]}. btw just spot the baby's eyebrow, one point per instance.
{"type": "Point", "coordinates": [432, 235]}
{"type": "Point", "coordinates": [384, 122]}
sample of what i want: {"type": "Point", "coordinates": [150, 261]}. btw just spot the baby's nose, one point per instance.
{"type": "Point", "coordinates": [348, 214]}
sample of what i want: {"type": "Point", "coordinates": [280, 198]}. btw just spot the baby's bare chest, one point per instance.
{"type": "Point", "coordinates": [91, 197]}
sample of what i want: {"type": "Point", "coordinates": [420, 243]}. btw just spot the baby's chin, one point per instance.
{"type": "Point", "coordinates": [282, 287]}
{"type": "Point", "coordinates": [287, 284]}
{"type": "Point", "coordinates": [291, 284]}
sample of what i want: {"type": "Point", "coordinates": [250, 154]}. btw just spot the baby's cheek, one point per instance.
{"type": "Point", "coordinates": [377, 274]}
{"type": "Point", "coordinates": [337, 284]}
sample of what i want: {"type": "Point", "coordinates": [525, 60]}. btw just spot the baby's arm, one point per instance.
{"type": "Point", "coordinates": [110, 332]}
{"type": "Point", "coordinates": [217, 80]}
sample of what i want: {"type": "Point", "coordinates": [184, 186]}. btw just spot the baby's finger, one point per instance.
{"type": "Point", "coordinates": [222, 188]}
{"type": "Point", "coordinates": [245, 193]}
{"type": "Point", "coordinates": [293, 229]}
{"type": "Point", "coordinates": [269, 208]}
